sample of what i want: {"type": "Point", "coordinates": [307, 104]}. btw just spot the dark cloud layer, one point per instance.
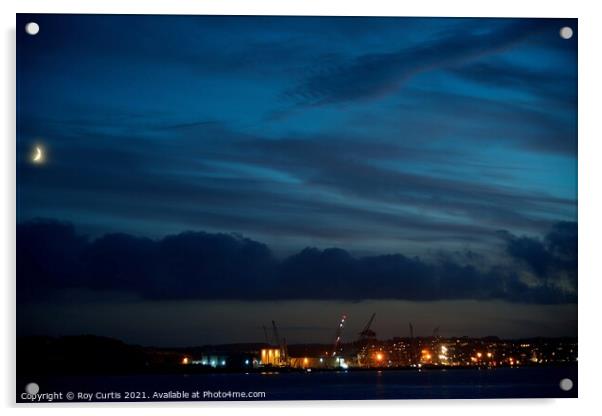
{"type": "Point", "coordinates": [555, 255]}
{"type": "Point", "coordinates": [199, 265]}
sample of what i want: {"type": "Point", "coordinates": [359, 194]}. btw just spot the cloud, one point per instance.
{"type": "Point", "coordinates": [320, 189]}
{"type": "Point", "coordinates": [552, 258]}
{"type": "Point", "coordinates": [376, 74]}
{"type": "Point", "coordinates": [376, 171]}
{"type": "Point", "coordinates": [199, 265]}
{"type": "Point", "coordinates": [188, 150]}
{"type": "Point", "coordinates": [537, 126]}
{"type": "Point", "coordinates": [554, 88]}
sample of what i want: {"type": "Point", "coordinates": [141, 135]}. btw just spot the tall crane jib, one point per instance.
{"type": "Point", "coordinates": [338, 334]}
{"type": "Point", "coordinates": [367, 333]}
{"type": "Point", "coordinates": [265, 334]}
{"type": "Point", "coordinates": [280, 342]}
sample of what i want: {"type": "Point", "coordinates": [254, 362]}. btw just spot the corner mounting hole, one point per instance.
{"type": "Point", "coordinates": [32, 388]}
{"type": "Point", "coordinates": [566, 32]}
{"type": "Point", "coordinates": [566, 384]}
{"type": "Point", "coordinates": [32, 28]}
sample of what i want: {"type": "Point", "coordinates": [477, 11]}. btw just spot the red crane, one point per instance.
{"type": "Point", "coordinates": [337, 339]}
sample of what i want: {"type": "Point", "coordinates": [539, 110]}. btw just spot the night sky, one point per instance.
{"type": "Point", "coordinates": [204, 175]}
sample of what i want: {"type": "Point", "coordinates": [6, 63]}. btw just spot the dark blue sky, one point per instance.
{"type": "Point", "coordinates": [414, 136]}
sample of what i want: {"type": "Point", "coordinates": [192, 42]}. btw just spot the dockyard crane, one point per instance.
{"type": "Point", "coordinates": [338, 334]}
{"type": "Point", "coordinates": [367, 333]}
{"type": "Point", "coordinates": [413, 349]}
{"type": "Point", "coordinates": [279, 342]}
{"type": "Point", "coordinates": [275, 332]}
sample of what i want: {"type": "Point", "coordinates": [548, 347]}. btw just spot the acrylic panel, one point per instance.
{"type": "Point", "coordinates": [292, 208]}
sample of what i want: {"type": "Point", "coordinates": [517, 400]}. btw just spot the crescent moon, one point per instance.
{"type": "Point", "coordinates": [38, 156]}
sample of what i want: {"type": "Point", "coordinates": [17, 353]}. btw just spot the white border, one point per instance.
{"type": "Point", "coordinates": [590, 134]}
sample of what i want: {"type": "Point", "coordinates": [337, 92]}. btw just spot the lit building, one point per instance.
{"type": "Point", "coordinates": [319, 362]}
{"type": "Point", "coordinates": [271, 356]}
{"type": "Point", "coordinates": [214, 361]}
